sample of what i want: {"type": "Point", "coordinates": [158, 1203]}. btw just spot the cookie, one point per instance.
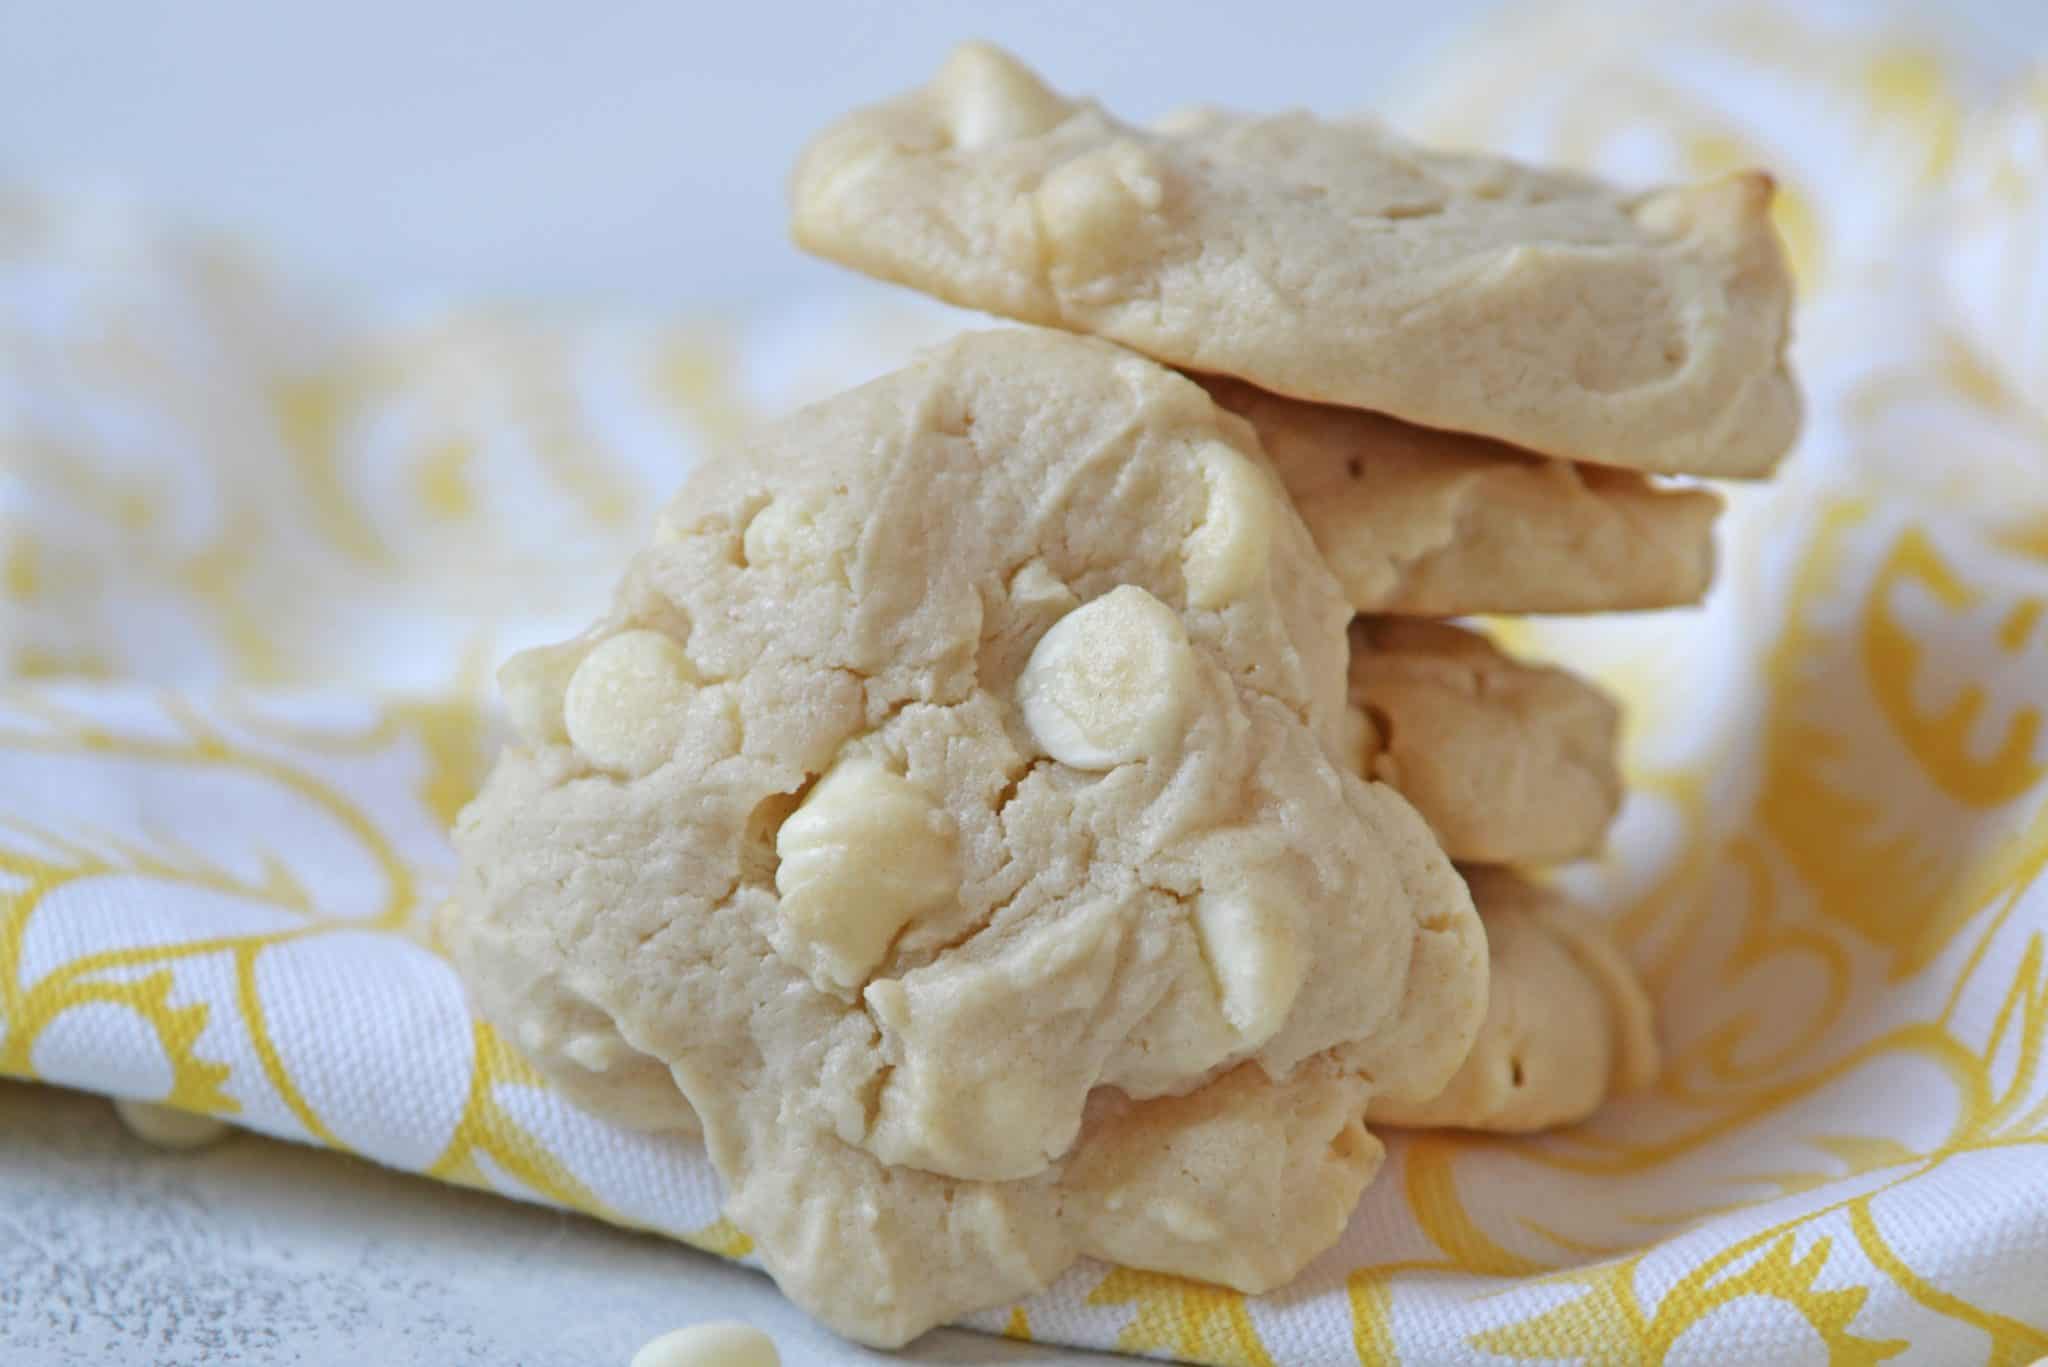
{"type": "Point", "coordinates": [954, 802]}
{"type": "Point", "coordinates": [1331, 261]}
{"type": "Point", "coordinates": [567, 1037]}
{"type": "Point", "coordinates": [1509, 762]}
{"type": "Point", "coordinates": [1567, 1020]}
{"type": "Point", "coordinates": [1439, 524]}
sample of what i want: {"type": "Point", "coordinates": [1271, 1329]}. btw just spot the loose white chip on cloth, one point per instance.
{"type": "Point", "coordinates": [1833, 867]}
{"type": "Point", "coordinates": [721, 1343]}
{"type": "Point", "coordinates": [163, 1128]}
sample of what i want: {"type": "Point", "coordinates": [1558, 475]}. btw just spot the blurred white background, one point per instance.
{"type": "Point", "coordinates": [618, 153]}
{"type": "Point", "coordinates": [625, 153]}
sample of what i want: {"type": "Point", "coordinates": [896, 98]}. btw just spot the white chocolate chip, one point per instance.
{"type": "Point", "coordinates": [721, 1343]}
{"type": "Point", "coordinates": [532, 684]}
{"type": "Point", "coordinates": [1108, 684]}
{"type": "Point", "coordinates": [789, 532]}
{"type": "Point", "coordinates": [1088, 208]}
{"type": "Point", "coordinates": [1228, 553]}
{"type": "Point", "coordinates": [959, 1121]}
{"type": "Point", "coordinates": [167, 1128]}
{"type": "Point", "coordinates": [991, 97]}
{"type": "Point", "coordinates": [1249, 940]}
{"type": "Point", "coordinates": [861, 858]}
{"type": "Point", "coordinates": [625, 702]}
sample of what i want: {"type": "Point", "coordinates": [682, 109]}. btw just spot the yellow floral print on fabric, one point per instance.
{"type": "Point", "coordinates": [1188, 1319]}
{"type": "Point", "coordinates": [1895, 661]}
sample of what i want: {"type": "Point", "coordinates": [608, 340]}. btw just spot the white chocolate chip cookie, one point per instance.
{"type": "Point", "coordinates": [1417, 521]}
{"type": "Point", "coordinates": [1567, 1020]}
{"type": "Point", "coordinates": [1509, 762]}
{"type": "Point", "coordinates": [1331, 261]}
{"type": "Point", "coordinates": [977, 852]}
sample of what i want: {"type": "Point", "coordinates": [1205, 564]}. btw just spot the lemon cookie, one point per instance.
{"type": "Point", "coordinates": [1567, 1020]}
{"type": "Point", "coordinates": [1333, 261]}
{"type": "Point", "coordinates": [1439, 524]}
{"type": "Point", "coordinates": [955, 802]}
{"type": "Point", "coordinates": [1509, 762]}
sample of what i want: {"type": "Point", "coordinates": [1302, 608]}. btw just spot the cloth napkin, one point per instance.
{"type": "Point", "coordinates": [259, 555]}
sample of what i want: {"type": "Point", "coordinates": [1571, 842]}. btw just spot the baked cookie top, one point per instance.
{"type": "Point", "coordinates": [1332, 261]}
{"type": "Point", "coordinates": [954, 802]}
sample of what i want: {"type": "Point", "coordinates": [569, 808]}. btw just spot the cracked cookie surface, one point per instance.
{"type": "Point", "coordinates": [955, 804]}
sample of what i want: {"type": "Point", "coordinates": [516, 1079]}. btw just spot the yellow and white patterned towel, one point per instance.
{"type": "Point", "coordinates": [257, 560]}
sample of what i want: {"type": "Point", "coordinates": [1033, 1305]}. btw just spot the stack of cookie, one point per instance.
{"type": "Point", "coordinates": [1467, 374]}
{"type": "Point", "coordinates": [963, 815]}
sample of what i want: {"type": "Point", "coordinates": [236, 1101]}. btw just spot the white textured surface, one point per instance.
{"type": "Point", "coordinates": [254, 1251]}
